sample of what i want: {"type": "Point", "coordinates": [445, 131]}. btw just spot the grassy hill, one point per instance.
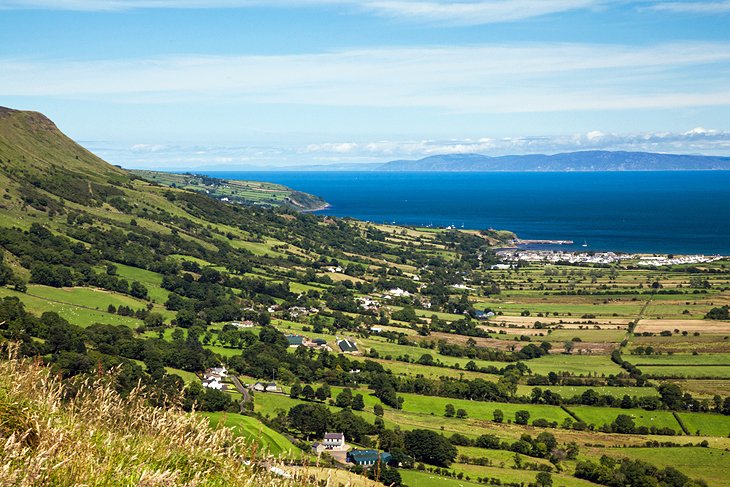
{"type": "Point", "coordinates": [119, 279]}
{"type": "Point", "coordinates": [241, 192]}
{"type": "Point", "coordinates": [102, 439]}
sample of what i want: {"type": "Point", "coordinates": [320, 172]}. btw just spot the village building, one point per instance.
{"type": "Point", "coordinates": [295, 340]}
{"type": "Point", "coordinates": [398, 292]}
{"type": "Point", "coordinates": [347, 346]}
{"type": "Point", "coordinates": [219, 371]}
{"type": "Point", "coordinates": [243, 324]}
{"type": "Point", "coordinates": [367, 458]}
{"type": "Point", "coordinates": [266, 387]}
{"type": "Point", "coordinates": [334, 441]}
{"type": "Point", "coordinates": [214, 383]}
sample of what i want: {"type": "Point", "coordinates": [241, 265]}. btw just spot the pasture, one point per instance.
{"type": "Point", "coordinates": [709, 464]}
{"type": "Point", "coordinates": [599, 416]}
{"type": "Point", "coordinates": [269, 442]}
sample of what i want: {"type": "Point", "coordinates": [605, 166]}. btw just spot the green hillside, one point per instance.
{"type": "Point", "coordinates": [240, 192]}
{"type": "Point", "coordinates": [465, 371]}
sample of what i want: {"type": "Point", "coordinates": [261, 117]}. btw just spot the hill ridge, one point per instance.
{"type": "Point", "coordinates": [588, 160]}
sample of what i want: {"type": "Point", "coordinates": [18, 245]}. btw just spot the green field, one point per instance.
{"type": "Point", "coordinates": [270, 442]}
{"type": "Point", "coordinates": [709, 464]}
{"type": "Point", "coordinates": [707, 424]}
{"type": "Point", "coordinates": [586, 365]}
{"type": "Point", "coordinates": [719, 372]}
{"type": "Point", "coordinates": [151, 280]}
{"type": "Point", "coordinates": [603, 415]}
{"type": "Point", "coordinates": [566, 392]}
{"type": "Point", "coordinates": [75, 314]}
{"type": "Point", "coordinates": [426, 405]}
{"type": "Point", "coordinates": [680, 359]}
{"type": "Point", "coordinates": [416, 478]}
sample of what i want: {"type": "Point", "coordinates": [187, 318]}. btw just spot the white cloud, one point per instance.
{"type": "Point", "coordinates": [474, 12]}
{"type": "Point", "coordinates": [476, 79]}
{"type": "Point", "coordinates": [469, 12]}
{"type": "Point", "coordinates": [148, 147]}
{"type": "Point", "coordinates": [692, 141]}
{"type": "Point", "coordinates": [695, 141]}
{"type": "Point", "coordinates": [697, 7]}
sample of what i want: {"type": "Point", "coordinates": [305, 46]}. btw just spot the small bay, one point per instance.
{"type": "Point", "coordinates": [679, 212]}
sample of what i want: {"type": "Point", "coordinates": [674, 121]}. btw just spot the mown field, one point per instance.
{"type": "Point", "coordinates": [270, 442]}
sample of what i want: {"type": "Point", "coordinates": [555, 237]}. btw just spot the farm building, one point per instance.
{"type": "Point", "coordinates": [346, 346]}
{"type": "Point", "coordinates": [334, 441]}
{"type": "Point", "coordinates": [295, 340]}
{"type": "Point", "coordinates": [265, 387]}
{"type": "Point", "coordinates": [367, 458]}
{"type": "Point", "coordinates": [243, 324]}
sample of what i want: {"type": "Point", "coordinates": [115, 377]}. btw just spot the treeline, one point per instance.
{"type": "Point", "coordinates": [619, 473]}
{"type": "Point", "coordinates": [75, 352]}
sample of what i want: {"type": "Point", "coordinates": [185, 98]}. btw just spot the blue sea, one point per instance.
{"type": "Point", "coordinates": [652, 212]}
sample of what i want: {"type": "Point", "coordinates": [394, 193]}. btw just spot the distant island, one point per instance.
{"type": "Point", "coordinates": [579, 161]}
{"type": "Point", "coordinates": [568, 161]}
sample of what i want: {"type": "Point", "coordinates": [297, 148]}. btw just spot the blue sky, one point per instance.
{"type": "Point", "coordinates": [242, 83]}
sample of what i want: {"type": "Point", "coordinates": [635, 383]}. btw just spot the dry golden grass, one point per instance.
{"type": "Point", "coordinates": [703, 326]}
{"type": "Point", "coordinates": [97, 438]}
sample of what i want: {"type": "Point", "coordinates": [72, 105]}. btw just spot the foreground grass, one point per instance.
{"type": "Point", "coordinates": [98, 438]}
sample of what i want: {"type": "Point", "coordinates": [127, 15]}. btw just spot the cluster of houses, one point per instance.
{"type": "Point", "coordinates": [345, 345]}
{"type": "Point", "coordinates": [680, 259]}
{"type": "Point", "coordinates": [397, 293]}
{"type": "Point", "coordinates": [213, 378]}
{"type": "Point", "coordinates": [266, 387]}
{"type": "Point", "coordinates": [301, 340]}
{"type": "Point", "coordinates": [243, 324]}
{"type": "Point", "coordinates": [554, 256]}
{"type": "Point", "coordinates": [335, 445]}
{"type": "Point", "coordinates": [483, 315]}
{"type": "Point", "coordinates": [369, 304]}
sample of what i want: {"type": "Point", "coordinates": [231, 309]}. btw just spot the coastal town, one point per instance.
{"type": "Point", "coordinates": [513, 256]}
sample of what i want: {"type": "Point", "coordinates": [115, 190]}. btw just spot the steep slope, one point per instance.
{"type": "Point", "coordinates": [101, 438]}
{"type": "Point", "coordinates": [35, 155]}
{"type": "Point", "coordinates": [37, 160]}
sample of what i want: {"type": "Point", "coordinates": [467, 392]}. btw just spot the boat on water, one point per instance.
{"type": "Point", "coordinates": [585, 244]}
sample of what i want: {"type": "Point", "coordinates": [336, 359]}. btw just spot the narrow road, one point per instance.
{"type": "Point", "coordinates": [244, 392]}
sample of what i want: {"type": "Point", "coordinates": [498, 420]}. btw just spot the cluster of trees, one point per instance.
{"type": "Point", "coordinates": [544, 445]}
{"type": "Point", "coordinates": [625, 424]}
{"type": "Point", "coordinates": [313, 420]}
{"type": "Point", "coordinates": [619, 473]}
{"type": "Point", "coordinates": [74, 352]}
{"type": "Point", "coordinates": [720, 313]}
{"type": "Point", "coordinates": [6, 273]}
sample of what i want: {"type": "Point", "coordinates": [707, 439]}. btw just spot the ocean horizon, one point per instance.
{"type": "Point", "coordinates": [681, 212]}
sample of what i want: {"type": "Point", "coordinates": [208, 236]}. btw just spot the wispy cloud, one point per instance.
{"type": "Point", "coordinates": [470, 12]}
{"type": "Point", "coordinates": [476, 79]}
{"type": "Point", "coordinates": [437, 12]}
{"type": "Point", "coordinates": [172, 156]}
{"type": "Point", "coordinates": [475, 12]}
{"type": "Point", "coordinates": [697, 7]}
{"type": "Point", "coordinates": [697, 140]}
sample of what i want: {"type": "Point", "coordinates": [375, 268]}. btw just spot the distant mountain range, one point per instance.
{"type": "Point", "coordinates": [581, 161]}
{"type": "Point", "coordinates": [569, 161]}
